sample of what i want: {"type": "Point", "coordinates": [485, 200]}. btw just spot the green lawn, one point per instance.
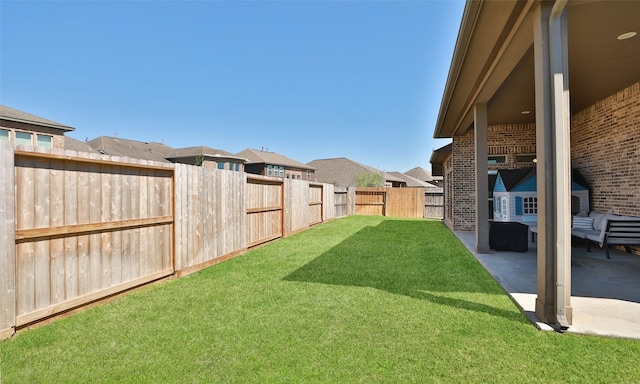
{"type": "Point", "coordinates": [356, 300]}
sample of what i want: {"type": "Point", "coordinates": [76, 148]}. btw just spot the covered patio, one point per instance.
{"type": "Point", "coordinates": [603, 303]}
{"type": "Point", "coordinates": [550, 85]}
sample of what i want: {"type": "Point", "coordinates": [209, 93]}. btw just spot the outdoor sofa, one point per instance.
{"type": "Point", "coordinates": [604, 229]}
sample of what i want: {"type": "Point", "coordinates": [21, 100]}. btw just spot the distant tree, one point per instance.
{"type": "Point", "coordinates": [369, 179]}
{"type": "Point", "coordinates": [198, 160]}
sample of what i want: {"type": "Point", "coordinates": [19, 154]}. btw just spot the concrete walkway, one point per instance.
{"type": "Point", "coordinates": [605, 294]}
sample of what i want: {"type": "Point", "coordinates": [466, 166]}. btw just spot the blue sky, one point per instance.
{"type": "Point", "coordinates": [307, 79]}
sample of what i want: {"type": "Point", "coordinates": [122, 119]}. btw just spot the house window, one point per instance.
{"type": "Point", "coordinates": [497, 159]}
{"type": "Point", "coordinates": [23, 138]}
{"type": "Point", "coordinates": [237, 167]}
{"type": "Point", "coordinates": [530, 205]}
{"type": "Point", "coordinates": [4, 134]}
{"type": "Point", "coordinates": [269, 170]}
{"type": "Point", "coordinates": [308, 175]}
{"type": "Point", "coordinates": [525, 158]}
{"type": "Point", "coordinates": [220, 165]}
{"type": "Point", "coordinates": [45, 141]}
{"type": "Point", "coordinates": [281, 174]}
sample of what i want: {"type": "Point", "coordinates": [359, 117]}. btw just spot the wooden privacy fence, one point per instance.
{"type": "Point", "coordinates": [85, 228]}
{"type": "Point", "coordinates": [210, 216]}
{"type": "Point", "coordinates": [265, 209]}
{"type": "Point", "coordinates": [75, 228]}
{"type": "Point", "coordinates": [399, 202]}
{"type": "Point", "coordinates": [433, 203]}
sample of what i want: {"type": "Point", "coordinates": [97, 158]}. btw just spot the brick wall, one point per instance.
{"type": "Point", "coordinates": [56, 134]}
{"type": "Point", "coordinates": [508, 140]}
{"type": "Point", "coordinates": [448, 192]}
{"type": "Point", "coordinates": [605, 148]}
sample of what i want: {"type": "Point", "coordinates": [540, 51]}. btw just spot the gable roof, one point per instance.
{"type": "Point", "coordinates": [204, 151]}
{"type": "Point", "coordinates": [342, 172]}
{"type": "Point", "coordinates": [255, 156]}
{"type": "Point", "coordinates": [11, 114]}
{"type": "Point", "coordinates": [78, 146]}
{"type": "Point", "coordinates": [511, 178]}
{"type": "Point", "coordinates": [115, 146]}
{"type": "Point", "coordinates": [412, 181]}
{"type": "Point", "coordinates": [524, 179]}
{"type": "Point", "coordinates": [420, 174]}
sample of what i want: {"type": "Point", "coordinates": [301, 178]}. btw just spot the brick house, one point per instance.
{"type": "Point", "coordinates": [200, 155]}
{"type": "Point", "coordinates": [25, 128]}
{"type": "Point", "coordinates": [262, 162]}
{"type": "Point", "coordinates": [343, 172]}
{"type": "Point", "coordinates": [508, 100]}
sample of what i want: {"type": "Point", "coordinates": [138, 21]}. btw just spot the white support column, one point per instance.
{"type": "Point", "coordinates": [553, 169]}
{"type": "Point", "coordinates": [562, 159]}
{"type": "Point", "coordinates": [482, 178]}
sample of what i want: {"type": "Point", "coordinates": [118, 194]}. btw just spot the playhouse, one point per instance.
{"type": "Point", "coordinates": [515, 197]}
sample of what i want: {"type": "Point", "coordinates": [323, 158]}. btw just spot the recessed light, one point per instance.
{"type": "Point", "coordinates": [525, 112]}
{"type": "Point", "coordinates": [627, 35]}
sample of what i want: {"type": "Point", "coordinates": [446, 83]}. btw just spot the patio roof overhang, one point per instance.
{"type": "Point", "coordinates": [493, 61]}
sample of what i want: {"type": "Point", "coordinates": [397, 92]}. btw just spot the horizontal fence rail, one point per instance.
{"type": "Point", "coordinates": [86, 227]}
{"type": "Point", "coordinates": [80, 227]}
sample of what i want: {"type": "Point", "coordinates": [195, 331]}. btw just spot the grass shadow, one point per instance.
{"type": "Point", "coordinates": [414, 258]}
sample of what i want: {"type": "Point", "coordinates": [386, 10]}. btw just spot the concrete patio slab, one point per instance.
{"type": "Point", "coordinates": [605, 294]}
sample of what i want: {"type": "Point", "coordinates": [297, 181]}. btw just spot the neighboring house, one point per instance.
{"type": "Point", "coordinates": [515, 196]}
{"type": "Point", "coordinates": [202, 155]}
{"type": "Point", "coordinates": [78, 146]}
{"type": "Point", "coordinates": [115, 146]}
{"type": "Point", "coordinates": [508, 102]}
{"type": "Point", "coordinates": [24, 128]}
{"type": "Point", "coordinates": [343, 172]}
{"type": "Point", "coordinates": [261, 162]}
{"type": "Point", "coordinates": [424, 175]}
{"type": "Point", "coordinates": [207, 157]}
{"type": "Point", "coordinates": [412, 181]}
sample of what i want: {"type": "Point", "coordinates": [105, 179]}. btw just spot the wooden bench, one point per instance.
{"type": "Point", "coordinates": [624, 232]}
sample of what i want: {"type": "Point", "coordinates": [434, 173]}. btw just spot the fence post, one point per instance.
{"type": "Point", "coordinates": [7, 241]}
{"type": "Point", "coordinates": [351, 201]}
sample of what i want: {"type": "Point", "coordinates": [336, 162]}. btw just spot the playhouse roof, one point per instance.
{"type": "Point", "coordinates": [524, 180]}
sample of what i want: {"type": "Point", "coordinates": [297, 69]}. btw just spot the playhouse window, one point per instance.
{"type": "Point", "coordinates": [504, 204]}
{"type": "Point", "coordinates": [530, 205]}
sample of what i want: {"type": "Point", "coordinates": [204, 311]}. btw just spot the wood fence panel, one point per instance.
{"type": "Point", "coordinates": [315, 203]}
{"type": "Point", "coordinates": [232, 224]}
{"type": "Point", "coordinates": [210, 212]}
{"type": "Point", "coordinates": [433, 203]}
{"type": "Point", "coordinates": [264, 207]}
{"type": "Point", "coordinates": [370, 201]}
{"type": "Point", "coordinates": [405, 202]}
{"type": "Point", "coordinates": [328, 202]}
{"type": "Point", "coordinates": [7, 241]}
{"type": "Point", "coordinates": [296, 206]}
{"type": "Point", "coordinates": [341, 202]}
{"type": "Point", "coordinates": [79, 224]}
